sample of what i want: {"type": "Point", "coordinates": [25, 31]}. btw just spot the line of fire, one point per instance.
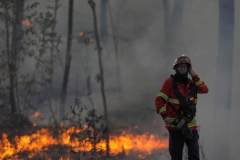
{"type": "Point", "coordinates": [119, 79]}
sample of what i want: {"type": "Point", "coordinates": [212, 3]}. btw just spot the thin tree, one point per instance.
{"type": "Point", "coordinates": [7, 27]}
{"type": "Point", "coordinates": [104, 19]}
{"type": "Point", "coordinates": [225, 54]}
{"type": "Point", "coordinates": [224, 82]}
{"type": "Point", "coordinates": [68, 59]}
{"type": "Point", "coordinates": [53, 50]}
{"type": "Point", "coordinates": [115, 35]}
{"type": "Point", "coordinates": [102, 83]}
{"type": "Point", "coordinates": [13, 47]}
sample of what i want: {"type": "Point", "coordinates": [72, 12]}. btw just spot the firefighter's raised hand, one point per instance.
{"type": "Point", "coordinates": [194, 75]}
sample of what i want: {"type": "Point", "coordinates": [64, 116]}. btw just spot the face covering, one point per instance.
{"type": "Point", "coordinates": [181, 78]}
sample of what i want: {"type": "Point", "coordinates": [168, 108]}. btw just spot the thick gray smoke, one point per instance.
{"type": "Point", "coordinates": [145, 65]}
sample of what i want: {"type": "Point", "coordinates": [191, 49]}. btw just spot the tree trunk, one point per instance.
{"type": "Point", "coordinates": [104, 21]}
{"type": "Point", "coordinates": [224, 78]}
{"type": "Point", "coordinates": [115, 35]}
{"type": "Point", "coordinates": [53, 50]}
{"type": "Point", "coordinates": [17, 34]}
{"type": "Point", "coordinates": [225, 54]}
{"type": "Point", "coordinates": [8, 52]}
{"type": "Point", "coordinates": [68, 59]}
{"type": "Point", "coordinates": [102, 82]}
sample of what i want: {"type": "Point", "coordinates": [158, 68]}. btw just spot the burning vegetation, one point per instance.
{"type": "Point", "coordinates": [72, 143]}
{"type": "Point", "coordinates": [30, 67]}
{"type": "Point", "coordinates": [81, 136]}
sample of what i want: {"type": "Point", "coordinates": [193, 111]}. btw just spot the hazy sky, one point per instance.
{"type": "Point", "coordinates": [144, 65]}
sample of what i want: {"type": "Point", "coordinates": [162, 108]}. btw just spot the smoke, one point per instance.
{"type": "Point", "coordinates": [145, 69]}
{"type": "Point", "coordinates": [144, 66]}
{"type": "Point", "coordinates": [234, 128]}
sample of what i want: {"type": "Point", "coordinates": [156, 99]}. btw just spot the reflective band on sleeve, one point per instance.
{"type": "Point", "coordinates": [163, 95]}
{"type": "Point", "coordinates": [199, 82]}
{"type": "Point", "coordinates": [163, 109]}
{"type": "Point", "coordinates": [166, 98]}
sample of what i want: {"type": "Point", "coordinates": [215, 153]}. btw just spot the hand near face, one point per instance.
{"type": "Point", "coordinates": [193, 73]}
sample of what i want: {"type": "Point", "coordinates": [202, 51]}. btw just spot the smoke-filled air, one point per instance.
{"type": "Point", "coordinates": [119, 79]}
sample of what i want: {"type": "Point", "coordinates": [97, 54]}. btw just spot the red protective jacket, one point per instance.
{"type": "Point", "coordinates": [167, 104]}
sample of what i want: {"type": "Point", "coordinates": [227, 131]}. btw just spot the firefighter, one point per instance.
{"type": "Point", "coordinates": [176, 103]}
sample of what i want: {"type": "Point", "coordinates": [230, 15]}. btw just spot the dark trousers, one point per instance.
{"type": "Point", "coordinates": [176, 144]}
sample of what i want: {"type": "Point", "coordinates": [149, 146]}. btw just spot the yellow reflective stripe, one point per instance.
{"type": "Point", "coordinates": [174, 101]}
{"type": "Point", "coordinates": [193, 123]}
{"type": "Point", "coordinates": [163, 109]}
{"type": "Point", "coordinates": [199, 82]}
{"type": "Point", "coordinates": [169, 120]}
{"type": "Point", "coordinates": [164, 96]}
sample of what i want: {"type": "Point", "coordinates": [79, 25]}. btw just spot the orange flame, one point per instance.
{"type": "Point", "coordinates": [36, 115]}
{"type": "Point", "coordinates": [27, 22]}
{"type": "Point", "coordinates": [82, 34]}
{"type": "Point", "coordinates": [42, 139]}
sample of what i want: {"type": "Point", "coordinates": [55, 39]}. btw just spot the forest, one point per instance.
{"type": "Point", "coordinates": [79, 77]}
